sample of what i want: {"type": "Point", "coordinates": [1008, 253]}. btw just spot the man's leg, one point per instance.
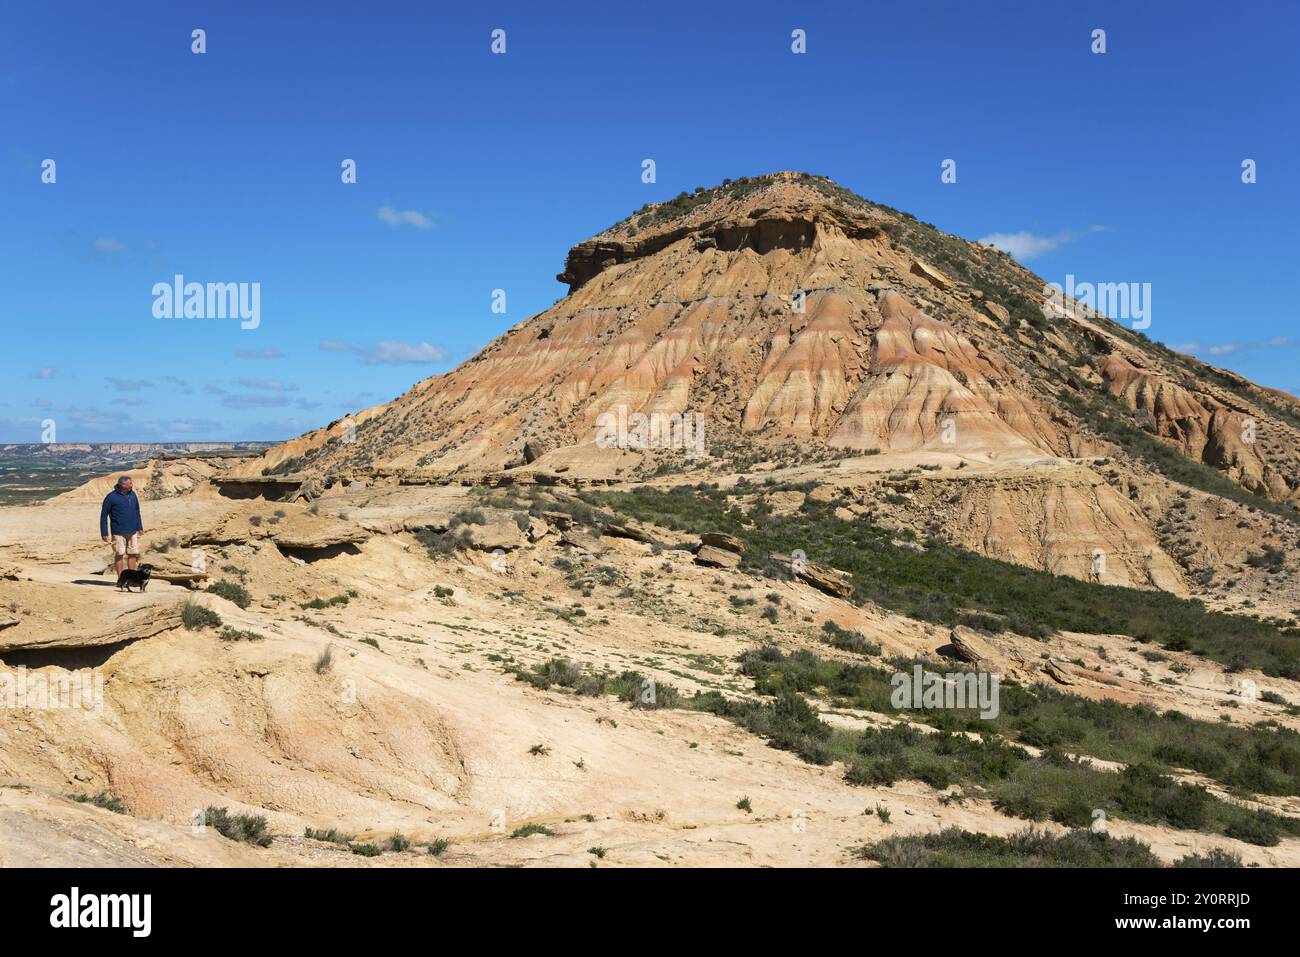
{"type": "Point", "coordinates": [132, 550]}
{"type": "Point", "coordinates": [119, 554]}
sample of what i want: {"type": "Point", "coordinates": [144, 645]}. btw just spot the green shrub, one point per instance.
{"type": "Point", "coordinates": [246, 828]}
{"type": "Point", "coordinates": [103, 799]}
{"type": "Point", "coordinates": [469, 516]}
{"type": "Point", "coordinates": [528, 830]}
{"type": "Point", "coordinates": [231, 592]}
{"type": "Point", "coordinates": [886, 568]}
{"type": "Point", "coordinates": [1215, 857]}
{"type": "Point", "coordinates": [195, 616]}
{"type": "Point", "coordinates": [1032, 847]}
{"type": "Point", "coordinates": [438, 846]}
{"type": "Point", "coordinates": [844, 640]}
{"type": "Point", "coordinates": [1254, 829]}
{"type": "Point", "coordinates": [331, 836]}
{"type": "Point", "coordinates": [234, 634]}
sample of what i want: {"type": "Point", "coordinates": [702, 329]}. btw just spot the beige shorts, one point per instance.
{"type": "Point", "coordinates": [126, 545]}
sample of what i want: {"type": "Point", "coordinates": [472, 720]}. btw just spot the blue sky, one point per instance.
{"type": "Point", "coordinates": [478, 171]}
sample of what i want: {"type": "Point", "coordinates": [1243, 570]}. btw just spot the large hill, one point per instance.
{"type": "Point", "coordinates": [795, 316]}
{"type": "Point", "coordinates": [790, 322]}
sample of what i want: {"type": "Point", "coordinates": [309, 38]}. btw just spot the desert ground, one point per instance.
{"type": "Point", "coordinates": [418, 727]}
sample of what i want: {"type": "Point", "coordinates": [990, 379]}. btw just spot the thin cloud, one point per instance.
{"type": "Point", "coordinates": [195, 425]}
{"type": "Point", "coordinates": [1230, 348]}
{"type": "Point", "coordinates": [390, 352]}
{"type": "Point", "coordinates": [258, 354]}
{"type": "Point", "coordinates": [270, 385]}
{"type": "Point", "coordinates": [254, 401]}
{"type": "Point", "coordinates": [129, 385]}
{"type": "Point", "coordinates": [106, 245]}
{"type": "Point", "coordinates": [405, 217]}
{"type": "Point", "coordinates": [46, 373]}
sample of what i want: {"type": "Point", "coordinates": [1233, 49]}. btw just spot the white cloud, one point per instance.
{"type": "Point", "coordinates": [105, 245]}
{"type": "Point", "coordinates": [1025, 245]}
{"type": "Point", "coordinates": [390, 352]}
{"type": "Point", "coordinates": [46, 373]}
{"type": "Point", "coordinates": [407, 217]}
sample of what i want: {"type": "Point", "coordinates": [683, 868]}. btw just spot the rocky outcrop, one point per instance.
{"type": "Point", "coordinates": [632, 532]}
{"type": "Point", "coordinates": [930, 274]}
{"type": "Point", "coordinates": [829, 580]}
{"type": "Point", "coordinates": [132, 625]}
{"type": "Point", "coordinates": [288, 528]}
{"type": "Point", "coordinates": [971, 647]}
{"type": "Point", "coordinates": [1058, 672]}
{"type": "Point", "coordinates": [713, 557]}
{"type": "Point", "coordinates": [722, 540]}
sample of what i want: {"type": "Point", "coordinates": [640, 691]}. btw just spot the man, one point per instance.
{"type": "Point", "coordinates": [123, 509]}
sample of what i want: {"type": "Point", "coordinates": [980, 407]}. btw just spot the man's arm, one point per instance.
{"type": "Point", "coordinates": [138, 514]}
{"type": "Point", "coordinates": [103, 519]}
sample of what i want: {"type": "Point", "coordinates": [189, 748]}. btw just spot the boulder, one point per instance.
{"type": "Point", "coordinates": [629, 531]}
{"type": "Point", "coordinates": [832, 582]}
{"type": "Point", "coordinates": [929, 273]}
{"type": "Point", "coordinates": [168, 569]}
{"type": "Point", "coordinates": [998, 311]}
{"type": "Point", "coordinates": [424, 523]}
{"type": "Point", "coordinates": [576, 538]}
{"type": "Point", "coordinates": [561, 520]}
{"type": "Point", "coordinates": [722, 540]}
{"type": "Point", "coordinates": [533, 450]}
{"type": "Point", "coordinates": [969, 645]}
{"type": "Point", "coordinates": [497, 533]}
{"type": "Point", "coordinates": [1057, 672]}
{"type": "Point", "coordinates": [711, 557]}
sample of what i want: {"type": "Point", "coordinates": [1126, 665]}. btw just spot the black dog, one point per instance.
{"type": "Point", "coordinates": [134, 576]}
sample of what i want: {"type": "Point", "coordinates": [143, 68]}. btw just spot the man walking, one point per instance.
{"type": "Point", "coordinates": [122, 508]}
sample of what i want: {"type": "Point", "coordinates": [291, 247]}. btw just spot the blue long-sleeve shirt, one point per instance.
{"type": "Point", "coordinates": [124, 510]}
